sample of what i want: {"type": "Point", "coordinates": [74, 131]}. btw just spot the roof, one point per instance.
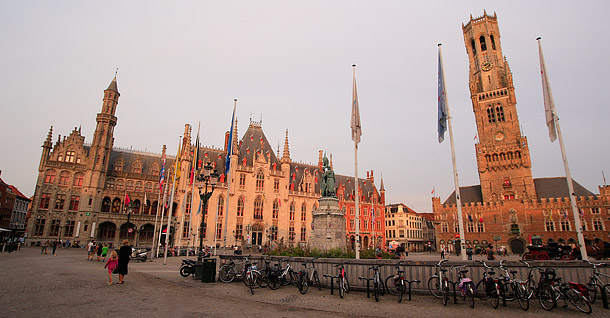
{"type": "Point", "coordinates": [470, 194]}
{"type": "Point", "coordinates": [113, 85]}
{"type": "Point", "coordinates": [253, 144]}
{"type": "Point", "coordinates": [427, 216]}
{"type": "Point", "coordinates": [18, 193]}
{"type": "Point", "coordinates": [558, 188]}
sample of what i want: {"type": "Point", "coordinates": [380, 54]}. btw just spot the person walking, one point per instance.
{"type": "Point", "coordinates": [90, 250]}
{"type": "Point", "coordinates": [124, 255]}
{"type": "Point", "coordinates": [104, 252]}
{"type": "Point", "coordinates": [43, 247]}
{"type": "Point", "coordinates": [98, 251]}
{"type": "Point", "coordinates": [113, 262]}
{"type": "Point", "coordinates": [469, 252]}
{"type": "Point", "coordinates": [442, 253]}
{"type": "Point", "coordinates": [55, 243]}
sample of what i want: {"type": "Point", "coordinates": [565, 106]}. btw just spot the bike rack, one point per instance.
{"type": "Point", "coordinates": [368, 285]}
{"type": "Point", "coordinates": [411, 282]}
{"type": "Point", "coordinates": [332, 279]}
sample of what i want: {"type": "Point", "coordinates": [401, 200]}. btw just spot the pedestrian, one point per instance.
{"type": "Point", "coordinates": [98, 251]}
{"type": "Point", "coordinates": [442, 253]}
{"type": "Point", "coordinates": [124, 255]}
{"type": "Point", "coordinates": [469, 252]}
{"type": "Point", "coordinates": [55, 243]}
{"type": "Point", "coordinates": [90, 250]}
{"type": "Point", "coordinates": [104, 252]}
{"type": "Point", "coordinates": [112, 263]}
{"type": "Point", "coordinates": [490, 254]}
{"type": "Point", "coordinates": [43, 247]}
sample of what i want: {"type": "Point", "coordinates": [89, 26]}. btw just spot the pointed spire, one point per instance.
{"type": "Point", "coordinates": [381, 187]}
{"type": "Point", "coordinates": [49, 142]}
{"type": "Point", "coordinates": [113, 86]}
{"type": "Point", "coordinates": [286, 154]}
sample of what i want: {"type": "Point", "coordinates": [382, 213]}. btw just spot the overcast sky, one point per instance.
{"type": "Point", "coordinates": [289, 63]}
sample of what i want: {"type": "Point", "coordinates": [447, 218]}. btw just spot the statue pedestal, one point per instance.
{"type": "Point", "coordinates": [328, 225]}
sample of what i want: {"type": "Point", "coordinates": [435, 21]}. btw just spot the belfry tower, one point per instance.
{"type": "Point", "coordinates": [502, 152]}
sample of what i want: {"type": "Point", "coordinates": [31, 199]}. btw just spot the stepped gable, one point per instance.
{"type": "Point", "coordinates": [129, 157]}
{"type": "Point", "coordinates": [470, 194]}
{"type": "Point", "coordinates": [298, 171]}
{"type": "Point", "coordinates": [368, 188]}
{"type": "Point", "coordinates": [254, 141]}
{"type": "Point", "coordinates": [558, 188]}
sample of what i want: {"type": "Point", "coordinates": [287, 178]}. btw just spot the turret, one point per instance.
{"type": "Point", "coordinates": [47, 145]}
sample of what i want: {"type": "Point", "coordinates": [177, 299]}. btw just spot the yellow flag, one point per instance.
{"type": "Point", "coordinates": [177, 168]}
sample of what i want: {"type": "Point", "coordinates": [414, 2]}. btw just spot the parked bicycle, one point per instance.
{"type": "Point", "coordinates": [310, 276]}
{"type": "Point", "coordinates": [228, 272]}
{"type": "Point", "coordinates": [544, 289]}
{"type": "Point", "coordinates": [465, 285]}
{"type": "Point", "coordinates": [342, 282]}
{"type": "Point", "coordinates": [512, 288]}
{"type": "Point", "coordinates": [396, 284]}
{"type": "Point", "coordinates": [595, 284]}
{"type": "Point", "coordinates": [575, 293]}
{"type": "Point", "coordinates": [434, 282]}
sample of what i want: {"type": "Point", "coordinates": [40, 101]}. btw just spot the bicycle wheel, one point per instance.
{"type": "Point", "coordinates": [530, 288]}
{"type": "Point", "coordinates": [389, 284]}
{"type": "Point", "coordinates": [376, 291]}
{"type": "Point", "coordinates": [316, 280]}
{"type": "Point", "coordinates": [577, 299]}
{"type": "Point", "coordinates": [592, 286]}
{"type": "Point", "coordinates": [445, 293]}
{"type": "Point", "coordinates": [263, 280]}
{"type": "Point", "coordinates": [302, 283]}
{"type": "Point", "coordinates": [470, 294]}
{"type": "Point", "coordinates": [400, 290]}
{"type": "Point", "coordinates": [288, 278]}
{"type": "Point", "coordinates": [341, 287]}
{"type": "Point", "coordinates": [520, 293]}
{"type": "Point", "coordinates": [226, 274]}
{"type": "Point", "coordinates": [274, 282]}
{"type": "Point", "coordinates": [546, 297]}
{"type": "Point", "coordinates": [434, 286]}
{"type": "Point", "coordinates": [249, 282]}
{"type": "Point", "coordinates": [346, 284]}
{"type": "Point", "coordinates": [481, 289]}
{"type": "Point", "coordinates": [494, 296]}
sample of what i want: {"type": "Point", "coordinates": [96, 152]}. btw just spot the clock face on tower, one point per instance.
{"type": "Point", "coordinates": [499, 136]}
{"type": "Point", "coordinates": [487, 66]}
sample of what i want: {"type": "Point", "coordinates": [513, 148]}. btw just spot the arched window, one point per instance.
{"type": "Point", "coordinates": [148, 187]}
{"type": "Point", "coordinates": [240, 206]}
{"type": "Point", "coordinates": [491, 115]}
{"type": "Point", "coordinates": [64, 176]}
{"type": "Point", "coordinates": [146, 209]}
{"type": "Point", "coordinates": [258, 208]}
{"type": "Point", "coordinates": [135, 207]}
{"type": "Point", "coordinates": [70, 156]}
{"type": "Point", "coordinates": [493, 43]}
{"type": "Point", "coordinates": [106, 204]}
{"type": "Point", "coordinates": [292, 211]}
{"type": "Point", "coordinates": [303, 212]}
{"type": "Point", "coordinates": [49, 176]}
{"type": "Point", "coordinates": [116, 205]}
{"type": "Point", "coordinates": [483, 45]}
{"type": "Point", "coordinates": [153, 208]}
{"type": "Point", "coordinates": [500, 113]}
{"type": "Point", "coordinates": [129, 186]}
{"type": "Point", "coordinates": [260, 180]}
{"type": "Point", "coordinates": [221, 204]}
{"type": "Point", "coordinates": [187, 206]}
{"type": "Point", "coordinates": [139, 186]}
{"type": "Point", "coordinates": [276, 209]}
{"type": "Point", "coordinates": [107, 231]}
{"type": "Point", "coordinates": [78, 179]}
{"type": "Point", "coordinates": [119, 184]}
{"type": "Point", "coordinates": [110, 184]}
{"type": "Point", "coordinates": [473, 46]}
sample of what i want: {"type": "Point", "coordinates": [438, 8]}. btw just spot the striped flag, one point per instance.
{"type": "Point", "coordinates": [549, 104]}
{"type": "Point", "coordinates": [162, 175]}
{"type": "Point", "coordinates": [442, 100]}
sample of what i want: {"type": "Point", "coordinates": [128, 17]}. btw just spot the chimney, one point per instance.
{"type": "Point", "coordinates": [320, 159]}
{"type": "Point", "coordinates": [372, 178]}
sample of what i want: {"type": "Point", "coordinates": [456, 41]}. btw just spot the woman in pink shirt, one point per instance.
{"type": "Point", "coordinates": [112, 263]}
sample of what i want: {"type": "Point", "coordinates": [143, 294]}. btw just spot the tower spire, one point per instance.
{"type": "Point", "coordinates": [286, 154]}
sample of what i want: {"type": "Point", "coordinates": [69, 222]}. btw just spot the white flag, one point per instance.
{"type": "Point", "coordinates": [549, 104]}
{"type": "Point", "coordinates": [356, 126]}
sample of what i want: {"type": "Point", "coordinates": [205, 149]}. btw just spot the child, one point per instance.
{"type": "Point", "coordinates": [104, 252]}
{"type": "Point", "coordinates": [113, 262]}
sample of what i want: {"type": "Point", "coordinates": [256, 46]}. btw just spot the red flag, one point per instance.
{"type": "Point", "coordinates": [127, 200]}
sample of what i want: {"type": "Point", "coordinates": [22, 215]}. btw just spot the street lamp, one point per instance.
{"type": "Point", "coordinates": [248, 229]}
{"type": "Point", "coordinates": [208, 178]}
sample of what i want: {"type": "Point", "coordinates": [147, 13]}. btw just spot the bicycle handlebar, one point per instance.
{"type": "Point", "coordinates": [440, 262]}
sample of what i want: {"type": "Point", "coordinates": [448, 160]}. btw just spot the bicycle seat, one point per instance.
{"type": "Point", "coordinates": [513, 272]}
{"type": "Point", "coordinates": [464, 271]}
{"type": "Point", "coordinates": [443, 270]}
{"type": "Point", "coordinates": [491, 273]}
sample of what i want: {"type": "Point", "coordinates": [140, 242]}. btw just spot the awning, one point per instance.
{"type": "Point", "coordinates": [4, 230]}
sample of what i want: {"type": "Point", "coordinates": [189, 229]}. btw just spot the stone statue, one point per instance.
{"type": "Point", "coordinates": [327, 187]}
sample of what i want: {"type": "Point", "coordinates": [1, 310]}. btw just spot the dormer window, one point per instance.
{"type": "Point", "coordinates": [70, 156]}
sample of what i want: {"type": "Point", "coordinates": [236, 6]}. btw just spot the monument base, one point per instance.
{"type": "Point", "coordinates": [328, 225]}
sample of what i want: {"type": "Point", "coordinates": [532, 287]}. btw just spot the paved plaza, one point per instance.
{"type": "Point", "coordinates": [67, 285]}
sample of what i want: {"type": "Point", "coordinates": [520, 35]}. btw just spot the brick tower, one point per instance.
{"type": "Point", "coordinates": [502, 152]}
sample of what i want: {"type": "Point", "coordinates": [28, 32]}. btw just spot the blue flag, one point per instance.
{"type": "Point", "coordinates": [442, 100]}
{"type": "Point", "coordinates": [230, 146]}
{"type": "Point", "coordinates": [199, 209]}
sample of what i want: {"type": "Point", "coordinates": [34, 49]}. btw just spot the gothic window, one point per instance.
{"type": "Point", "coordinates": [45, 198]}
{"type": "Point", "coordinates": [70, 156]}
{"type": "Point", "coordinates": [64, 176]}
{"type": "Point", "coordinates": [598, 225]}
{"type": "Point", "coordinates": [470, 226]}
{"type": "Point", "coordinates": [518, 154]}
{"type": "Point", "coordinates": [594, 210]}
{"type": "Point", "coordinates": [119, 184]}
{"type": "Point", "coordinates": [456, 227]}
{"type": "Point", "coordinates": [239, 231]}
{"type": "Point", "coordinates": [218, 231]}
{"type": "Point", "coordinates": [242, 181]}
{"type": "Point", "coordinates": [240, 206]}
{"type": "Point", "coordinates": [258, 208]}
{"type": "Point", "coordinates": [148, 187]}
{"type": "Point", "coordinates": [303, 212]}
{"type": "Point", "coordinates": [187, 206]}
{"type": "Point", "coordinates": [118, 165]}
{"type": "Point", "coordinates": [303, 233]}
{"type": "Point", "coordinates": [60, 199]}
{"type": "Point", "coordinates": [480, 227]}
{"type": "Point", "coordinates": [491, 115]}
{"type": "Point", "coordinates": [549, 225]}
{"type": "Point", "coordinates": [135, 207]}
{"type": "Point", "coordinates": [276, 185]}
{"type": "Point", "coordinates": [483, 45]}
{"type": "Point", "coordinates": [74, 200]}
{"type": "Point", "coordinates": [565, 225]}
{"type": "Point", "coordinates": [116, 205]}
{"type": "Point", "coordinates": [260, 180]}
{"type": "Point", "coordinates": [473, 46]}
{"type": "Point", "coordinates": [54, 228]}
{"type": "Point", "coordinates": [78, 179]}
{"type": "Point", "coordinates": [139, 186]}
{"type": "Point", "coordinates": [500, 113]}
{"type": "Point", "coordinates": [185, 229]}
{"type": "Point", "coordinates": [49, 176]}
{"type": "Point", "coordinates": [110, 184]}
{"type": "Point", "coordinates": [39, 227]}
{"type": "Point", "coordinates": [137, 168]}
{"type": "Point", "coordinates": [493, 43]}
{"type": "Point", "coordinates": [291, 233]}
{"type": "Point", "coordinates": [276, 209]}
{"type": "Point", "coordinates": [221, 205]}
{"type": "Point", "coordinates": [292, 209]}
{"type": "Point", "coordinates": [129, 186]}
{"type": "Point", "coordinates": [106, 204]}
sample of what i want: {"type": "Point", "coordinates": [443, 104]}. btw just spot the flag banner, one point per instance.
{"type": "Point", "coordinates": [355, 125]}
{"type": "Point", "coordinates": [177, 167]}
{"type": "Point", "coordinates": [162, 174]}
{"type": "Point", "coordinates": [442, 100]}
{"type": "Point", "coordinates": [549, 104]}
{"type": "Point", "coordinates": [199, 209]}
{"type": "Point", "coordinates": [195, 161]}
{"type": "Point", "coordinates": [470, 217]}
{"type": "Point", "coordinates": [127, 200]}
{"type": "Point", "coordinates": [230, 146]}
{"type": "Point", "coordinates": [481, 219]}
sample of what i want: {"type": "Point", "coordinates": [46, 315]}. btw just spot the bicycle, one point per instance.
{"type": "Point", "coordinates": [287, 275]}
{"type": "Point", "coordinates": [378, 287]}
{"type": "Point", "coordinates": [530, 283]}
{"type": "Point", "coordinates": [270, 276]}
{"type": "Point", "coordinates": [312, 276]}
{"type": "Point", "coordinates": [228, 272]}
{"type": "Point", "coordinates": [545, 291]}
{"type": "Point", "coordinates": [486, 285]}
{"type": "Point", "coordinates": [517, 288]}
{"type": "Point", "coordinates": [343, 283]}
{"type": "Point", "coordinates": [595, 283]}
{"type": "Point", "coordinates": [434, 282]}
{"type": "Point", "coordinates": [574, 293]}
{"type": "Point", "coordinates": [250, 276]}
{"type": "Point", "coordinates": [466, 285]}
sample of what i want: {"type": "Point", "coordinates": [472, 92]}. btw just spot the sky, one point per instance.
{"type": "Point", "coordinates": [289, 64]}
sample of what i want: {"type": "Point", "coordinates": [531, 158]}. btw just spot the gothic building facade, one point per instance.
{"type": "Point", "coordinates": [510, 207]}
{"type": "Point", "coordinates": [82, 188]}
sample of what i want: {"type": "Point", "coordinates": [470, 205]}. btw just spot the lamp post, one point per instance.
{"type": "Point", "coordinates": [206, 178]}
{"type": "Point", "coordinates": [248, 228]}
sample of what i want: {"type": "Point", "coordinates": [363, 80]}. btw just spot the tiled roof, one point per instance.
{"type": "Point", "coordinates": [18, 193]}
{"type": "Point", "coordinates": [558, 188]}
{"type": "Point", "coordinates": [471, 194]}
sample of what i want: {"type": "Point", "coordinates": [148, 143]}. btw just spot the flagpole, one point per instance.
{"type": "Point", "coordinates": [548, 98]}
{"type": "Point", "coordinates": [171, 204]}
{"type": "Point", "coordinates": [453, 161]}
{"type": "Point", "coordinates": [356, 193]}
{"type": "Point", "coordinates": [195, 166]}
{"type": "Point", "coordinates": [229, 155]}
{"type": "Point", "coordinates": [154, 248]}
{"type": "Point", "coordinates": [157, 238]}
{"type": "Point", "coordinates": [165, 190]}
